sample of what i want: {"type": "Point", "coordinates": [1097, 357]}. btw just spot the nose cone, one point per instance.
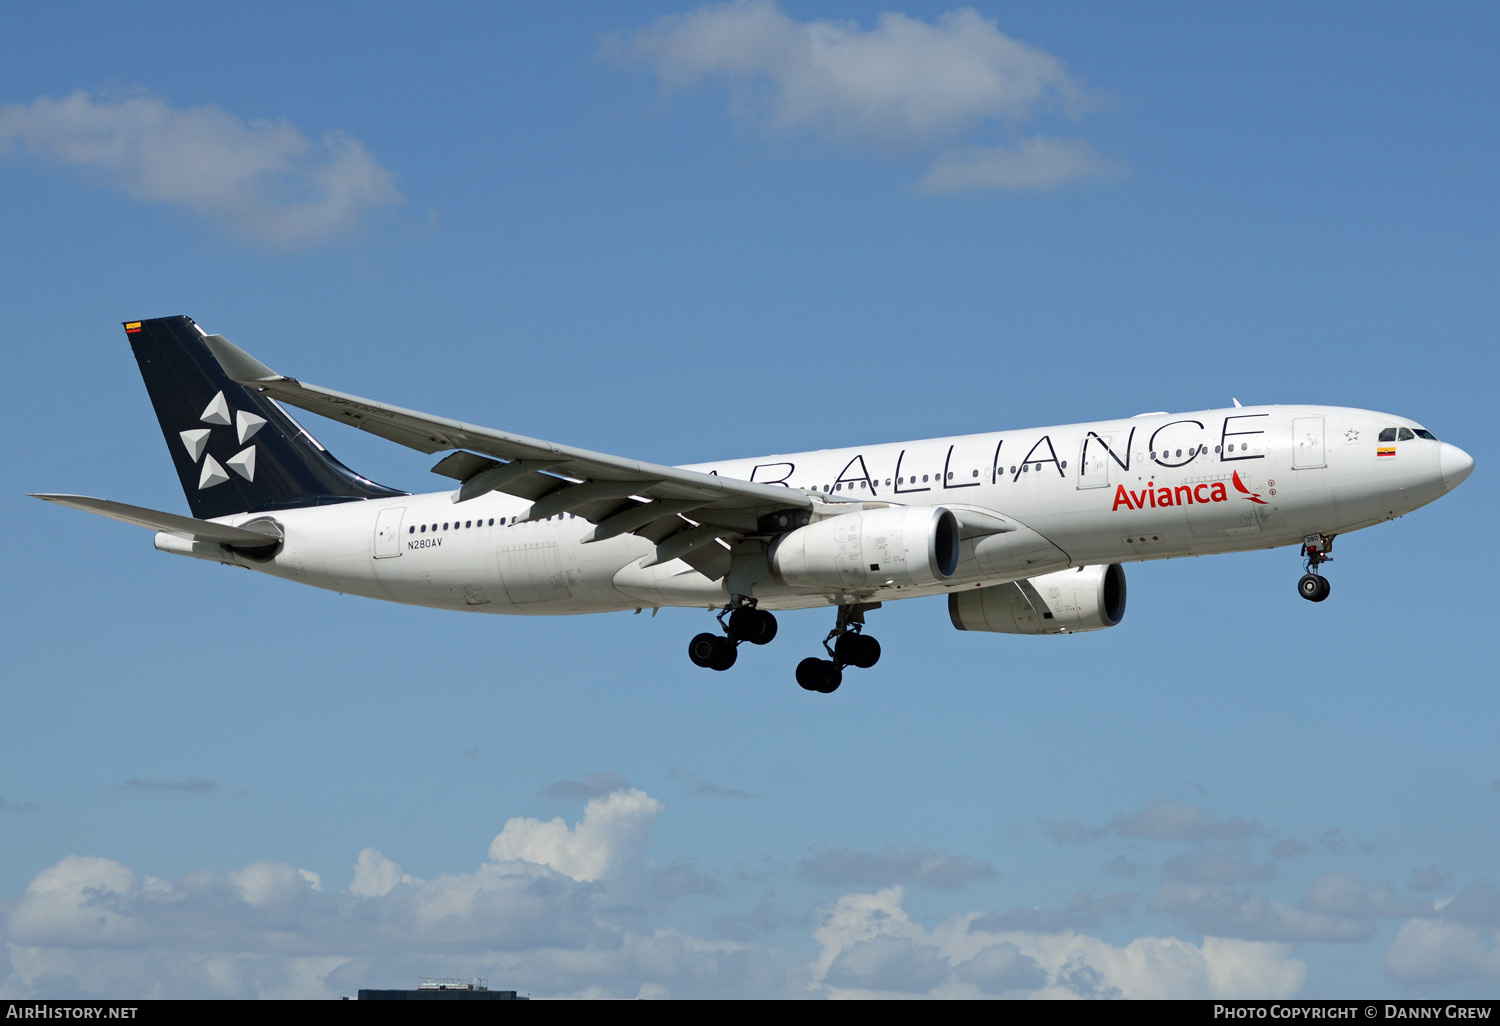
{"type": "Point", "coordinates": [1455, 465]}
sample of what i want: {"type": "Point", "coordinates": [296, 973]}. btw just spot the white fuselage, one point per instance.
{"type": "Point", "coordinates": [1149, 487]}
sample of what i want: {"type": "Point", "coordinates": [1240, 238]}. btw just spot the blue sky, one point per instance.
{"type": "Point", "coordinates": [691, 233]}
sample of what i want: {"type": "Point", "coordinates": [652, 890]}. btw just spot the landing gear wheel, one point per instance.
{"type": "Point", "coordinates": [702, 648]}
{"type": "Point", "coordinates": [1313, 588]}
{"type": "Point", "coordinates": [711, 652]}
{"type": "Point", "coordinates": [859, 650]}
{"type": "Point", "coordinates": [753, 625]}
{"type": "Point", "coordinates": [822, 675]}
{"type": "Point", "coordinates": [726, 655]}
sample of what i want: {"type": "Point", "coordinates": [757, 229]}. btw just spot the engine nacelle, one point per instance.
{"type": "Point", "coordinates": [900, 544]}
{"type": "Point", "coordinates": [1086, 598]}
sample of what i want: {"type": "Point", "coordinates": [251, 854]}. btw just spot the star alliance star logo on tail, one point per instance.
{"type": "Point", "coordinates": [219, 414]}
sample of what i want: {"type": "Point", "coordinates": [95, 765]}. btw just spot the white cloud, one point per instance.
{"type": "Point", "coordinates": [611, 835]}
{"type": "Point", "coordinates": [274, 883]}
{"type": "Point", "coordinates": [376, 876]}
{"type": "Point", "coordinates": [553, 912]}
{"type": "Point", "coordinates": [90, 926]}
{"type": "Point", "coordinates": [903, 85]}
{"type": "Point", "coordinates": [1062, 964]}
{"type": "Point", "coordinates": [1432, 952]}
{"type": "Point", "coordinates": [257, 178]}
{"type": "Point", "coordinates": [82, 898]}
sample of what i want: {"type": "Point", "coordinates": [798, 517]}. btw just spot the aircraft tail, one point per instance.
{"type": "Point", "coordinates": [235, 451]}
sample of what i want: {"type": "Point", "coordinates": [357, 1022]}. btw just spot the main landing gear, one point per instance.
{"type": "Point", "coordinates": [846, 644]}
{"type": "Point", "coordinates": [745, 623]}
{"type": "Point", "coordinates": [850, 647]}
{"type": "Point", "coordinates": [1315, 549]}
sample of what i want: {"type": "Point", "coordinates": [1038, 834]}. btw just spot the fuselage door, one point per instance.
{"type": "Point", "coordinates": [1307, 443]}
{"type": "Point", "coordinates": [1094, 461]}
{"type": "Point", "coordinates": [388, 532]}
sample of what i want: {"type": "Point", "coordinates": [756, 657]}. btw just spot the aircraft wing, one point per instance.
{"type": "Point", "coordinates": [172, 523]}
{"type": "Point", "coordinates": [686, 513]}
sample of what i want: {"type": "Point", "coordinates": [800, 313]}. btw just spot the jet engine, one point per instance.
{"type": "Point", "coordinates": [1087, 598]}
{"type": "Point", "coordinates": [901, 544]}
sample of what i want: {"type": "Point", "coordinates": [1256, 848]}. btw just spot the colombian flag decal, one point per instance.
{"type": "Point", "coordinates": [132, 327]}
{"type": "Point", "coordinates": [1386, 450]}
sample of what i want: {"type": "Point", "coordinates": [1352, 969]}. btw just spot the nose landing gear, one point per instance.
{"type": "Point", "coordinates": [1313, 586]}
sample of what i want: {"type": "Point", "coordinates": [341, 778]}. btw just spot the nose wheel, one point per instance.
{"type": "Point", "coordinates": [1313, 588]}
{"type": "Point", "coordinates": [1315, 551]}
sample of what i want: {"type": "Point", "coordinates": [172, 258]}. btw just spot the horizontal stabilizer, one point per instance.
{"type": "Point", "coordinates": [255, 536]}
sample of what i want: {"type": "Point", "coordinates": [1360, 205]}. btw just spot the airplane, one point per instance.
{"type": "Point", "coordinates": [1024, 531]}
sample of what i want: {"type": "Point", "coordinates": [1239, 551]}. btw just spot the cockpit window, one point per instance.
{"type": "Point", "coordinates": [1405, 435]}
{"type": "Point", "coordinates": [1424, 433]}
{"type": "Point", "coordinates": [1388, 435]}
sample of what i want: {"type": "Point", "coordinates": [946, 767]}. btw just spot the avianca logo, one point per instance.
{"type": "Point", "coordinates": [1182, 495]}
